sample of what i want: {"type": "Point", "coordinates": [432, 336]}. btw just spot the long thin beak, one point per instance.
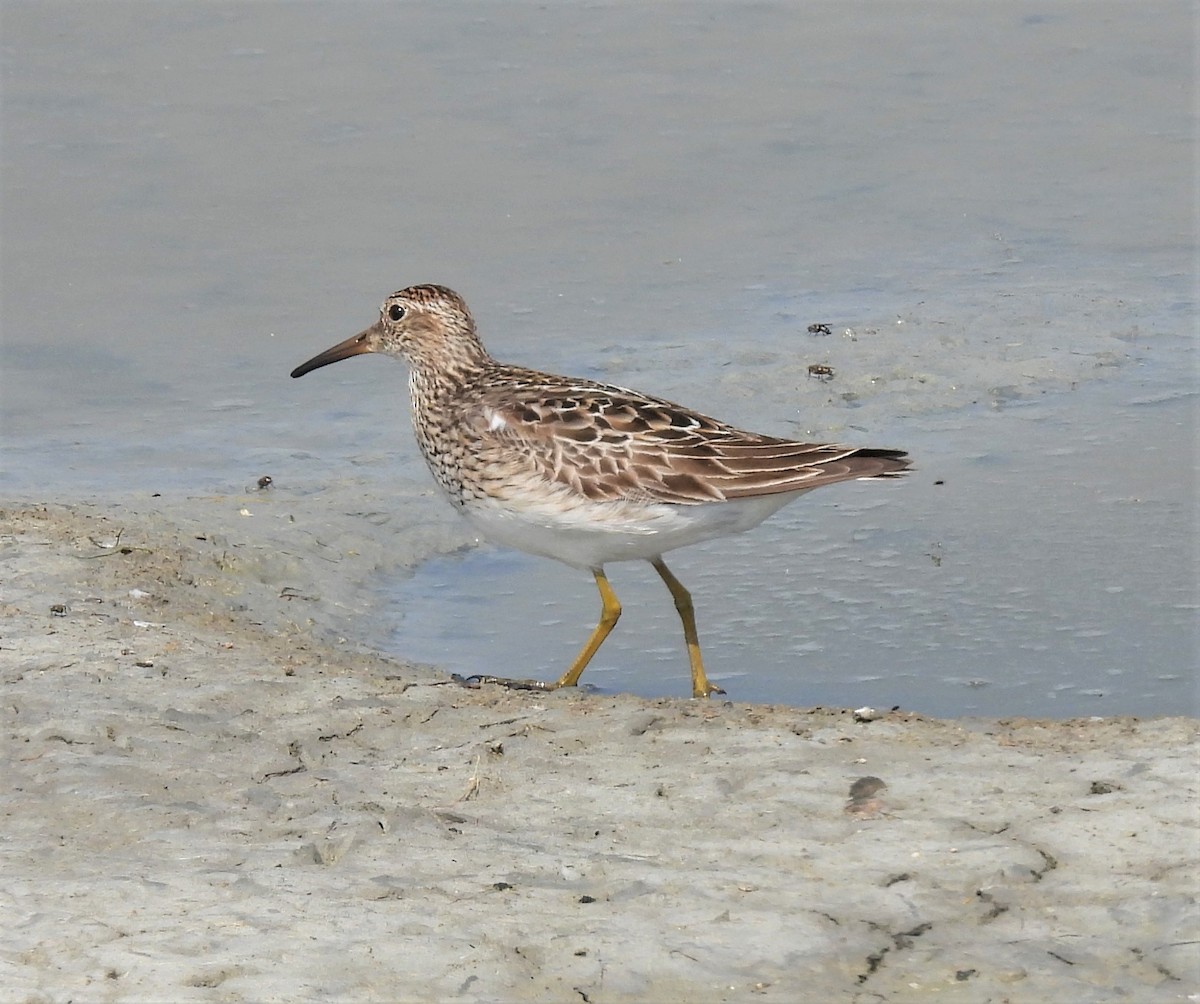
{"type": "Point", "coordinates": [364, 341]}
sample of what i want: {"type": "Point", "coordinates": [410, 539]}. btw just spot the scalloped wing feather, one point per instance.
{"type": "Point", "coordinates": [611, 444]}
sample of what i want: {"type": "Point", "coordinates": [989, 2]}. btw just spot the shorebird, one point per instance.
{"type": "Point", "coordinates": [585, 472]}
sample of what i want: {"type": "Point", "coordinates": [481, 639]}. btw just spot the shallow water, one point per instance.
{"type": "Point", "coordinates": [1034, 580]}
{"type": "Point", "coordinates": [986, 203]}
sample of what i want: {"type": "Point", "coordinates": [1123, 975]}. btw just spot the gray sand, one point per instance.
{"type": "Point", "coordinates": [204, 803]}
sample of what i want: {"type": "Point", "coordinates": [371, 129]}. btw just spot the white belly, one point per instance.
{"type": "Point", "coordinates": [597, 533]}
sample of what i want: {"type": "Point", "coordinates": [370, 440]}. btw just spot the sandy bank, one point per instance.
{"type": "Point", "coordinates": [204, 802]}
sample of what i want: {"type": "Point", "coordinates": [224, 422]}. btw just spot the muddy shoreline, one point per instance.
{"type": "Point", "coordinates": [209, 798]}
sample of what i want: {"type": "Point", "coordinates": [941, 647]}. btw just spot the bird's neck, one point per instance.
{"type": "Point", "coordinates": [448, 376]}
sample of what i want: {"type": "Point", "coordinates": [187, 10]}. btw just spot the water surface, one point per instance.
{"type": "Point", "coordinates": [986, 203]}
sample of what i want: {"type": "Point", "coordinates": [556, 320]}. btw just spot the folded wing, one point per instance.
{"type": "Point", "coordinates": [611, 444]}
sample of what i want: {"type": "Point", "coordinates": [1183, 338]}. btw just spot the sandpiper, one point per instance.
{"type": "Point", "coordinates": [584, 472]}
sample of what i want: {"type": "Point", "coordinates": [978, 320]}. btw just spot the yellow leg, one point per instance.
{"type": "Point", "coordinates": [610, 610]}
{"type": "Point", "coordinates": [683, 603]}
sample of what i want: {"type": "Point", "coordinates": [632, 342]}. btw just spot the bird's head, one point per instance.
{"type": "Point", "coordinates": [427, 326]}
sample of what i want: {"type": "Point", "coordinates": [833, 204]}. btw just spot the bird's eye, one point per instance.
{"type": "Point", "coordinates": [395, 311]}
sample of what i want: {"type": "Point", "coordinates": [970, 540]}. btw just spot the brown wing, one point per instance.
{"type": "Point", "coordinates": [608, 443]}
